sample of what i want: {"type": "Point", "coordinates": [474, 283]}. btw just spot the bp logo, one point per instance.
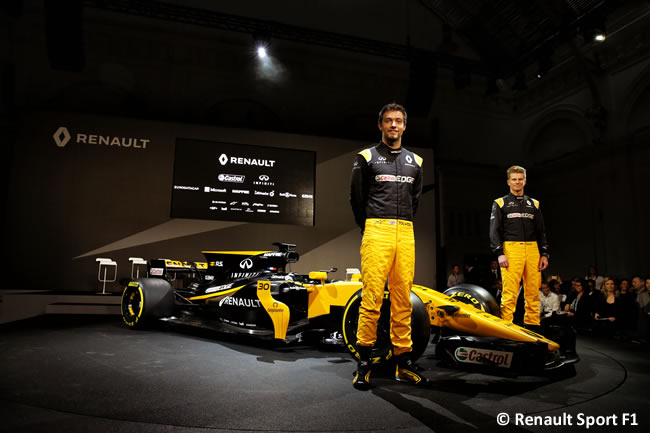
{"type": "Point", "coordinates": [461, 354]}
{"type": "Point", "coordinates": [61, 136]}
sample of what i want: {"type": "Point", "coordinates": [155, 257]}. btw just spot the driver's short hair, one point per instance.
{"type": "Point", "coordinates": [515, 169]}
{"type": "Point", "coordinates": [393, 106]}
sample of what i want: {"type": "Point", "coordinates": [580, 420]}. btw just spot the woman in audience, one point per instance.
{"type": "Point", "coordinates": [624, 287]}
{"type": "Point", "coordinates": [607, 311]}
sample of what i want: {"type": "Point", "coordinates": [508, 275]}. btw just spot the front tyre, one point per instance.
{"type": "Point", "coordinates": [382, 351]}
{"type": "Point", "coordinates": [145, 300]}
{"type": "Point", "coordinates": [476, 296]}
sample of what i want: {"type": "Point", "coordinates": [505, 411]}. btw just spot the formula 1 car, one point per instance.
{"type": "Point", "coordinates": [252, 293]}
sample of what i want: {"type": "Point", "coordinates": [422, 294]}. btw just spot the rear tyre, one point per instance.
{"type": "Point", "coordinates": [145, 300]}
{"type": "Point", "coordinates": [477, 296]}
{"type": "Point", "coordinates": [383, 348]}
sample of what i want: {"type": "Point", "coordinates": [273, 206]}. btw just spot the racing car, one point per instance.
{"type": "Point", "coordinates": [254, 293]}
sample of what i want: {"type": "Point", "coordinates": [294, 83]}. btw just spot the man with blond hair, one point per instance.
{"type": "Point", "coordinates": [518, 238]}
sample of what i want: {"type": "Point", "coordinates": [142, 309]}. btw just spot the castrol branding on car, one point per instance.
{"type": "Point", "coordinates": [473, 355]}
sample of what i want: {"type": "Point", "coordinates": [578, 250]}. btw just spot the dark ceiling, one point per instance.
{"type": "Point", "coordinates": [506, 35]}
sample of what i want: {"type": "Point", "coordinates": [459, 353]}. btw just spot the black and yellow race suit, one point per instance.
{"type": "Point", "coordinates": [517, 231]}
{"type": "Point", "coordinates": [385, 188]}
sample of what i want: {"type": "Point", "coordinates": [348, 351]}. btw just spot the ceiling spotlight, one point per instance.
{"type": "Point", "coordinates": [599, 36]}
{"type": "Point", "coordinates": [262, 44]}
{"type": "Point", "coordinates": [544, 65]}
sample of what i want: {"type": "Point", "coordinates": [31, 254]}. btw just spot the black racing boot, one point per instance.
{"type": "Point", "coordinates": [362, 375]}
{"type": "Point", "coordinates": [405, 371]}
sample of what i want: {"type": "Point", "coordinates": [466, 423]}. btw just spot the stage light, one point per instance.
{"type": "Point", "coordinates": [599, 36]}
{"type": "Point", "coordinates": [544, 65]}
{"type": "Point", "coordinates": [262, 45]}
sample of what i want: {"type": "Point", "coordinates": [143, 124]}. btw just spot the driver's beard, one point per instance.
{"type": "Point", "coordinates": [389, 140]}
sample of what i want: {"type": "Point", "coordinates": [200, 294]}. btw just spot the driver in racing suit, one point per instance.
{"type": "Point", "coordinates": [385, 188]}
{"type": "Point", "coordinates": [518, 238]}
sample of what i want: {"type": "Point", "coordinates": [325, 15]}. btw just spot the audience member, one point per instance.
{"type": "Point", "coordinates": [456, 277]}
{"type": "Point", "coordinates": [641, 307]}
{"type": "Point", "coordinates": [607, 311]}
{"type": "Point", "coordinates": [495, 284]}
{"type": "Point", "coordinates": [556, 288]}
{"type": "Point", "coordinates": [595, 295]}
{"type": "Point", "coordinates": [578, 308]}
{"type": "Point", "coordinates": [592, 275]}
{"type": "Point", "coordinates": [471, 272]}
{"type": "Point", "coordinates": [549, 302]}
{"type": "Point", "coordinates": [623, 286]}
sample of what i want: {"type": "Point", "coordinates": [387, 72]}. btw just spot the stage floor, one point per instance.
{"type": "Point", "coordinates": [90, 373]}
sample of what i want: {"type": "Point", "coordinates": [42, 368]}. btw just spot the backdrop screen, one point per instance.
{"type": "Point", "coordinates": [235, 182]}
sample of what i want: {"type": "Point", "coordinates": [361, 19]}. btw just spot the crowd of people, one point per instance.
{"type": "Point", "coordinates": [593, 304]}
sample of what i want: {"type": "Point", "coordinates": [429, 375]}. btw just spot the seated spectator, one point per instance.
{"type": "Point", "coordinates": [549, 302]}
{"type": "Point", "coordinates": [494, 280]}
{"type": "Point", "coordinates": [592, 275]}
{"type": "Point", "coordinates": [623, 287]}
{"type": "Point", "coordinates": [556, 288]}
{"type": "Point", "coordinates": [607, 311]}
{"type": "Point", "coordinates": [595, 295]}
{"type": "Point", "coordinates": [642, 306]}
{"type": "Point", "coordinates": [456, 277]}
{"type": "Point", "coordinates": [628, 309]}
{"type": "Point", "coordinates": [578, 307]}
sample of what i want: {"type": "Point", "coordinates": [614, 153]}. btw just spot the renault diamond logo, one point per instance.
{"type": "Point", "coordinates": [246, 264]}
{"type": "Point", "coordinates": [223, 159]}
{"type": "Point", "coordinates": [61, 136]}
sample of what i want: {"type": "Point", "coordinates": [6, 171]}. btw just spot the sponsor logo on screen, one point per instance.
{"type": "Point", "coordinates": [62, 137]}
{"type": "Point", "coordinates": [263, 179]}
{"type": "Point", "coordinates": [241, 191]}
{"type": "Point", "coordinates": [266, 193]}
{"type": "Point", "coordinates": [187, 188]}
{"type": "Point", "coordinates": [473, 355]}
{"type": "Point", "coordinates": [287, 195]}
{"type": "Point", "coordinates": [308, 196]}
{"type": "Point", "coordinates": [240, 160]}
{"type": "Point", "coordinates": [232, 178]}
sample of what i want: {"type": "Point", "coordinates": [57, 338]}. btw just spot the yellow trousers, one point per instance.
{"type": "Point", "coordinates": [387, 252]}
{"type": "Point", "coordinates": [524, 262]}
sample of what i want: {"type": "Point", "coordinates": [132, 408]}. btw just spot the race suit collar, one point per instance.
{"type": "Point", "coordinates": [517, 197]}
{"type": "Point", "coordinates": [383, 147]}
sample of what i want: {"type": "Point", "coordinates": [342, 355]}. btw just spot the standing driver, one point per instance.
{"type": "Point", "coordinates": [518, 237]}
{"type": "Point", "coordinates": [385, 188]}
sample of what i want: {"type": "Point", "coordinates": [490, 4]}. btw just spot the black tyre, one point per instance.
{"type": "Point", "coordinates": [476, 296]}
{"type": "Point", "coordinates": [383, 348]}
{"type": "Point", "coordinates": [145, 300]}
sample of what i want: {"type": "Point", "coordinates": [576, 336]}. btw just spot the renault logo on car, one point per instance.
{"type": "Point", "coordinates": [246, 264]}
